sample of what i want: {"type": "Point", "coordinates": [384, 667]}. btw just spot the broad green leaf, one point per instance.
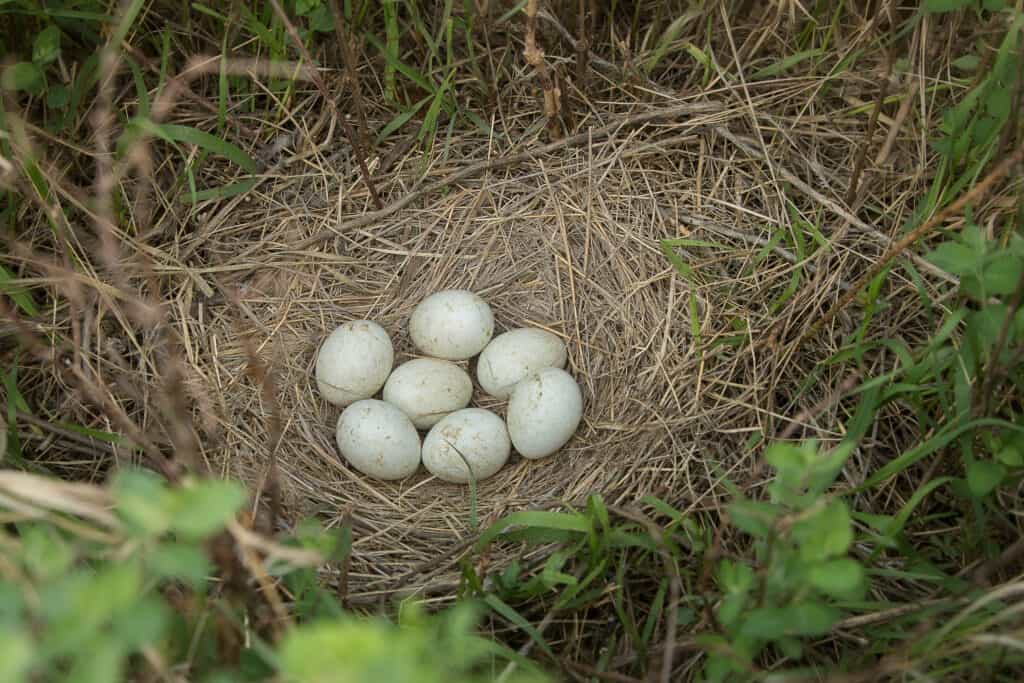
{"type": "Point", "coordinates": [202, 508]}
{"type": "Point", "coordinates": [840, 578]}
{"type": "Point", "coordinates": [1002, 273]}
{"type": "Point", "coordinates": [179, 561]}
{"type": "Point", "coordinates": [754, 517]}
{"type": "Point", "coordinates": [1010, 456]}
{"type": "Point", "coordinates": [57, 96]}
{"type": "Point", "coordinates": [999, 101]}
{"type": "Point", "coordinates": [46, 46]}
{"type": "Point", "coordinates": [24, 76]}
{"type": "Point", "coordinates": [143, 501]}
{"type": "Point", "coordinates": [45, 553]}
{"type": "Point", "coordinates": [801, 619]}
{"type": "Point", "coordinates": [102, 660]}
{"type": "Point", "coordinates": [826, 533]}
{"type": "Point", "coordinates": [16, 655]}
{"type": "Point", "coordinates": [735, 577]}
{"type": "Point", "coordinates": [967, 62]}
{"type": "Point", "coordinates": [955, 258]}
{"type": "Point", "coordinates": [143, 623]}
{"type": "Point", "coordinates": [983, 476]}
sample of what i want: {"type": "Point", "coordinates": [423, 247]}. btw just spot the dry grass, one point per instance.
{"type": "Point", "coordinates": [565, 238]}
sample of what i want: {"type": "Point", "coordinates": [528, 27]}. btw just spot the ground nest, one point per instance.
{"type": "Point", "coordinates": [568, 240]}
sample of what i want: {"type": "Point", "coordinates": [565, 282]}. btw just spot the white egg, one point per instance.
{"type": "Point", "coordinates": [353, 362]}
{"type": "Point", "coordinates": [478, 435]}
{"type": "Point", "coordinates": [453, 324]}
{"type": "Point", "coordinates": [427, 389]}
{"type": "Point", "coordinates": [378, 439]}
{"type": "Point", "coordinates": [543, 412]}
{"type": "Point", "coordinates": [515, 354]}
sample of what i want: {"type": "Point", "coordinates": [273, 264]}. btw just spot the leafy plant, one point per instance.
{"type": "Point", "coordinates": [799, 569]}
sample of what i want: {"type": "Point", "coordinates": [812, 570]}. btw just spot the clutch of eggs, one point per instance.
{"type": "Point", "coordinates": [523, 366]}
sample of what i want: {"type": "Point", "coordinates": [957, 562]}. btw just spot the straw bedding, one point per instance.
{"type": "Point", "coordinates": [568, 241]}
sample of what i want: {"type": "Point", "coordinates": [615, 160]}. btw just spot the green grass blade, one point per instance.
{"type": "Point", "coordinates": [19, 294]}
{"type": "Point", "coordinates": [541, 519]}
{"type": "Point", "coordinates": [503, 609]}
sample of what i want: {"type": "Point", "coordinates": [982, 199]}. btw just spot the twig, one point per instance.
{"type": "Point", "coordinates": [534, 56]}
{"type": "Point", "coordinates": [348, 59]}
{"type": "Point", "coordinates": [582, 46]}
{"type": "Point", "coordinates": [353, 140]}
{"type": "Point", "coordinates": [1014, 552]}
{"type": "Point", "coordinates": [862, 154]}
{"type": "Point", "coordinates": [979, 190]}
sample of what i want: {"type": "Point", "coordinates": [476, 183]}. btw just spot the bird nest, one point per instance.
{"type": "Point", "coordinates": [578, 238]}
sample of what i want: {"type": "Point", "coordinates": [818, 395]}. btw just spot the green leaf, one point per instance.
{"type": "Point", "coordinates": [840, 578]}
{"type": "Point", "coordinates": [495, 603]}
{"type": "Point", "coordinates": [826, 533]}
{"type": "Point", "coordinates": [19, 294]}
{"type": "Point", "coordinates": [179, 561]}
{"type": "Point", "coordinates": [24, 76]}
{"type": "Point", "coordinates": [57, 96]}
{"type": "Point", "coordinates": [143, 623]}
{"type": "Point", "coordinates": [203, 508]}
{"type": "Point", "coordinates": [143, 501]}
{"type": "Point", "coordinates": [535, 519]}
{"type": "Point", "coordinates": [16, 655]}
{"type": "Point", "coordinates": [735, 577]}
{"type": "Point", "coordinates": [304, 7]}
{"type": "Point", "coordinates": [800, 619]}
{"type": "Point", "coordinates": [999, 101]}
{"type": "Point", "coordinates": [46, 47]}
{"type": "Point", "coordinates": [1002, 273]}
{"type": "Point", "coordinates": [790, 461]}
{"type": "Point", "coordinates": [45, 553]}
{"type": "Point", "coordinates": [967, 62]}
{"type": "Point", "coordinates": [785, 64]}
{"type": "Point", "coordinates": [983, 476]}
{"type": "Point", "coordinates": [754, 517]}
{"type": "Point", "coordinates": [1010, 456]}
{"type": "Point", "coordinates": [955, 258]}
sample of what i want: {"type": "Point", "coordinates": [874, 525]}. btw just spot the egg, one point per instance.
{"type": "Point", "coordinates": [515, 354]}
{"type": "Point", "coordinates": [378, 439]}
{"type": "Point", "coordinates": [544, 411]}
{"type": "Point", "coordinates": [427, 389]}
{"type": "Point", "coordinates": [354, 362]}
{"type": "Point", "coordinates": [478, 435]}
{"type": "Point", "coordinates": [453, 324]}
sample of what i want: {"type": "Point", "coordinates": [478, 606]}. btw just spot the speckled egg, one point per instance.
{"type": "Point", "coordinates": [354, 362]}
{"type": "Point", "coordinates": [543, 412]}
{"type": "Point", "coordinates": [453, 324]}
{"type": "Point", "coordinates": [378, 439]}
{"type": "Point", "coordinates": [515, 354]}
{"type": "Point", "coordinates": [474, 436]}
{"type": "Point", "coordinates": [427, 389]}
